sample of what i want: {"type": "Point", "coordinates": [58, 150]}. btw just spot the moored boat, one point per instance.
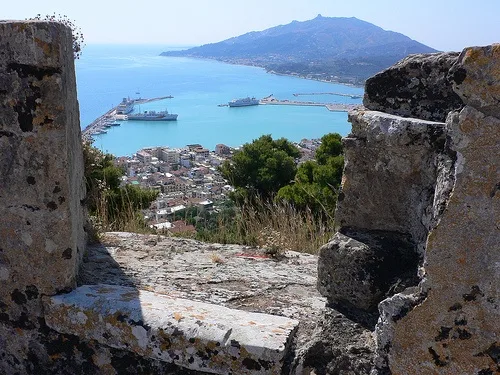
{"type": "Point", "coordinates": [125, 107]}
{"type": "Point", "coordinates": [244, 102]}
{"type": "Point", "coordinates": [153, 116]}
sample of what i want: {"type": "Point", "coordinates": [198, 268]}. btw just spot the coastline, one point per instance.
{"type": "Point", "coordinates": [312, 78]}
{"type": "Point", "coordinates": [270, 71]}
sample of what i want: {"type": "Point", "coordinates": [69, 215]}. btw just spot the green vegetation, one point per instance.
{"type": "Point", "coordinates": [275, 204]}
{"type": "Point", "coordinates": [111, 206]}
{"type": "Point", "coordinates": [266, 169]}
{"type": "Point", "coordinates": [261, 168]}
{"type": "Point", "coordinates": [317, 181]}
{"type": "Point", "coordinates": [273, 225]}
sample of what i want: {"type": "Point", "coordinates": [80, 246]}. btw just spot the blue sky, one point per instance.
{"type": "Point", "coordinates": [441, 24]}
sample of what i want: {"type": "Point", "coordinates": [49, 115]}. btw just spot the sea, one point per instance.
{"type": "Point", "coordinates": [108, 73]}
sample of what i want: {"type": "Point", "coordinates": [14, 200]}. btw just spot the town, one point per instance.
{"type": "Point", "coordinates": [185, 177]}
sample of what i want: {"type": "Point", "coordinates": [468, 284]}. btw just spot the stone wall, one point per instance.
{"type": "Point", "coordinates": [41, 185]}
{"type": "Point", "coordinates": [41, 179]}
{"type": "Point", "coordinates": [455, 329]}
{"type": "Point", "coordinates": [431, 189]}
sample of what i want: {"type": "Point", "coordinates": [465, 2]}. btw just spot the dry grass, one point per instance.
{"type": "Point", "coordinates": [278, 226]}
{"type": "Point", "coordinates": [217, 259]}
{"type": "Point", "coordinates": [273, 226]}
{"type": "Point", "coordinates": [125, 219]}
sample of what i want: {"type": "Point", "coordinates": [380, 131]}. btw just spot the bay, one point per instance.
{"type": "Point", "coordinates": [108, 73]}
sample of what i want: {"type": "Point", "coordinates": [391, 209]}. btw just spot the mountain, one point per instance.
{"type": "Point", "coordinates": [330, 48]}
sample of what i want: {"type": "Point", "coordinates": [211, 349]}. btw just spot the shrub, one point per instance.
{"type": "Point", "coordinates": [78, 39]}
{"type": "Point", "coordinates": [111, 206]}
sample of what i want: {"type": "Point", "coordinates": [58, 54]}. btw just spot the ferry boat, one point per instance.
{"type": "Point", "coordinates": [125, 107]}
{"type": "Point", "coordinates": [245, 102]}
{"type": "Point", "coordinates": [153, 116]}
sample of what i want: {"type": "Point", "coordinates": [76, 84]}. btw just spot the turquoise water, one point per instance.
{"type": "Point", "coordinates": [106, 74]}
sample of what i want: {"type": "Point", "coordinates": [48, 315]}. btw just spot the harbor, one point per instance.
{"type": "Point", "coordinates": [108, 119]}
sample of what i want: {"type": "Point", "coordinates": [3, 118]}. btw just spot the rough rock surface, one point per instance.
{"type": "Point", "coordinates": [194, 335]}
{"type": "Point", "coordinates": [398, 156]}
{"type": "Point", "coordinates": [417, 86]}
{"type": "Point", "coordinates": [25, 350]}
{"type": "Point", "coordinates": [338, 346]}
{"type": "Point", "coordinates": [41, 182]}
{"type": "Point", "coordinates": [42, 217]}
{"type": "Point", "coordinates": [478, 65]}
{"type": "Point", "coordinates": [360, 269]}
{"type": "Point", "coordinates": [383, 225]}
{"type": "Point", "coordinates": [439, 185]}
{"type": "Point", "coordinates": [451, 326]}
{"type": "Point", "coordinates": [238, 277]}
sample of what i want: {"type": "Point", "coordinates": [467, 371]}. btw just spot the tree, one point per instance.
{"type": "Point", "coordinates": [331, 146]}
{"type": "Point", "coordinates": [261, 167]}
{"type": "Point", "coordinates": [105, 197]}
{"type": "Point", "coordinates": [317, 181]}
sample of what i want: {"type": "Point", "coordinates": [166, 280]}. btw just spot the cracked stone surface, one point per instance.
{"type": "Point", "coordinates": [234, 276]}
{"type": "Point", "coordinates": [195, 335]}
{"type": "Point", "coordinates": [417, 86]}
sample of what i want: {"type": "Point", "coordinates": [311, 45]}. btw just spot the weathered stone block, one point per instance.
{"type": "Point", "coordinates": [417, 86]}
{"type": "Point", "coordinates": [476, 78]}
{"type": "Point", "coordinates": [359, 269]}
{"type": "Point", "coordinates": [390, 174]}
{"type": "Point", "coordinates": [41, 183]}
{"type": "Point", "coordinates": [194, 335]}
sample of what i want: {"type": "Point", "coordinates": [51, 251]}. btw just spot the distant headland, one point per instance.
{"type": "Point", "coordinates": [332, 49]}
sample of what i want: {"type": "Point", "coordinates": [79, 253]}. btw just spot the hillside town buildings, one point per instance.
{"type": "Point", "coordinates": [184, 177]}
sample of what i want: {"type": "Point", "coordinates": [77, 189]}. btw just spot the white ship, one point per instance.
{"type": "Point", "coordinates": [125, 107]}
{"type": "Point", "coordinates": [153, 116]}
{"type": "Point", "coordinates": [243, 102]}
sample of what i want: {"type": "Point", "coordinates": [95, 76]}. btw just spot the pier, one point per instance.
{"type": "Point", "coordinates": [352, 96]}
{"type": "Point", "coordinates": [100, 124]}
{"type": "Point", "coordinates": [334, 107]}
{"type": "Point", "coordinates": [142, 101]}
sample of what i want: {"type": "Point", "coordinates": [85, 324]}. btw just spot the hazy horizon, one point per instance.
{"type": "Point", "coordinates": [447, 25]}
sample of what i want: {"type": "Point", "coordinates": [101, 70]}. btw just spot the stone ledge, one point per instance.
{"type": "Point", "coordinates": [388, 130]}
{"type": "Point", "coordinates": [194, 335]}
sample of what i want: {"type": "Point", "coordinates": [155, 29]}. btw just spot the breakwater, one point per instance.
{"type": "Point", "coordinates": [352, 96]}
{"type": "Point", "coordinates": [334, 107]}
